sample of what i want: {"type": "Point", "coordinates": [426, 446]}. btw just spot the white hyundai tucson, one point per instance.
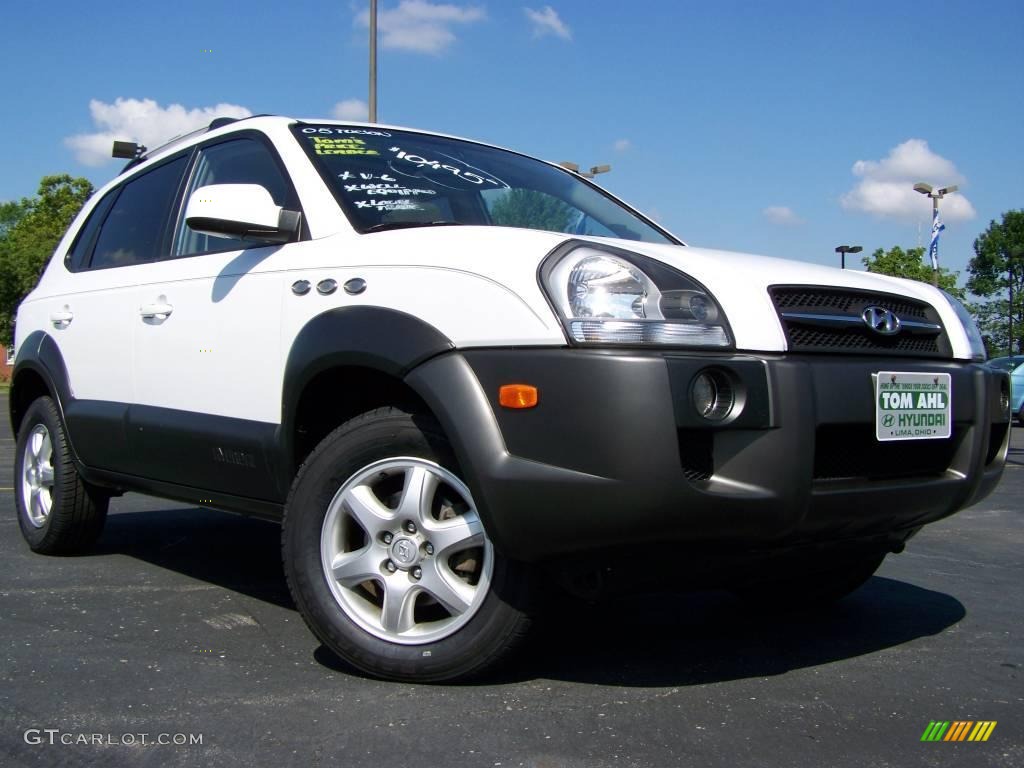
{"type": "Point", "coordinates": [460, 377]}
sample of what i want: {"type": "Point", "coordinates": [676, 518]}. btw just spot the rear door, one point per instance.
{"type": "Point", "coordinates": [92, 323]}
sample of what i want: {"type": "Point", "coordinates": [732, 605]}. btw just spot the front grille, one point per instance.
{"type": "Point", "coordinates": [851, 451]}
{"type": "Point", "coordinates": [845, 302]}
{"type": "Point", "coordinates": [804, 339]}
{"type": "Point", "coordinates": [823, 319]}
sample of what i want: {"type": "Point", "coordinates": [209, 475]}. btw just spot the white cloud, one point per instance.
{"type": "Point", "coordinates": [351, 109]}
{"type": "Point", "coordinates": [547, 22]}
{"type": "Point", "coordinates": [143, 121]}
{"type": "Point", "coordinates": [781, 214]}
{"type": "Point", "coordinates": [420, 26]}
{"type": "Point", "coordinates": [623, 145]}
{"type": "Point", "coordinates": [886, 186]}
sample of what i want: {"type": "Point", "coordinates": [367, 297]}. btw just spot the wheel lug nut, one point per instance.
{"type": "Point", "coordinates": [417, 573]}
{"type": "Point", "coordinates": [387, 537]}
{"type": "Point", "coordinates": [410, 527]}
{"type": "Point", "coordinates": [391, 568]}
{"type": "Point", "coordinates": [429, 548]}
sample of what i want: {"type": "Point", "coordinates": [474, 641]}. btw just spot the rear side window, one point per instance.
{"type": "Point", "coordinates": [241, 161]}
{"type": "Point", "coordinates": [78, 256]}
{"type": "Point", "coordinates": [134, 229]}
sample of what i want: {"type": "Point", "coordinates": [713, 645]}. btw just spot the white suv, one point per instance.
{"type": "Point", "coordinates": [460, 376]}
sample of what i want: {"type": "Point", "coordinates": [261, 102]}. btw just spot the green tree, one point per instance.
{"type": "Point", "coordinates": [910, 264]}
{"type": "Point", "coordinates": [998, 266]}
{"type": "Point", "coordinates": [29, 231]}
{"type": "Point", "coordinates": [531, 209]}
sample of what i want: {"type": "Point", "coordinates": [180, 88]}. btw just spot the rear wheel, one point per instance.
{"type": "Point", "coordinates": [59, 514]}
{"type": "Point", "coordinates": [388, 560]}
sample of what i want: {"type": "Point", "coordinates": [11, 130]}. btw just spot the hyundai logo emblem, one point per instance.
{"type": "Point", "coordinates": [881, 321]}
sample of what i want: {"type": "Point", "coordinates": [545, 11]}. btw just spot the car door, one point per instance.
{"type": "Point", "coordinates": [92, 321]}
{"type": "Point", "coordinates": [207, 343]}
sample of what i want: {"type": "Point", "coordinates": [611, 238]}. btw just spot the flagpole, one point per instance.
{"type": "Point", "coordinates": [937, 226]}
{"type": "Point", "coordinates": [935, 255]}
{"type": "Point", "coordinates": [372, 110]}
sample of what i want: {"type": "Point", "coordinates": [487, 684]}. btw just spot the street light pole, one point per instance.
{"type": "Point", "coordinates": [935, 195]}
{"type": "Point", "coordinates": [373, 62]}
{"type": "Point", "coordinates": [842, 250]}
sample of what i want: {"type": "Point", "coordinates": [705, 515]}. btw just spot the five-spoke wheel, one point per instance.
{"type": "Point", "coordinates": [388, 559]}
{"type": "Point", "coordinates": [406, 552]}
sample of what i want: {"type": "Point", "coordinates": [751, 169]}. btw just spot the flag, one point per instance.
{"type": "Point", "coordinates": [933, 249]}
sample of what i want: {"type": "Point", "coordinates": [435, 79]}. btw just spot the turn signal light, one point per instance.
{"type": "Point", "coordinates": [517, 396]}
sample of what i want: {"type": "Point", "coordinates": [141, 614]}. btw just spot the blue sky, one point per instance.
{"type": "Point", "coordinates": [781, 128]}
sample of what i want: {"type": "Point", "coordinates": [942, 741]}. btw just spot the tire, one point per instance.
{"type": "Point", "coordinates": [387, 560]}
{"type": "Point", "coordinates": [810, 585]}
{"type": "Point", "coordinates": [59, 514]}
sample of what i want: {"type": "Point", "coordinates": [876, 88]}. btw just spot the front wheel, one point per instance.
{"type": "Point", "coordinates": [388, 560]}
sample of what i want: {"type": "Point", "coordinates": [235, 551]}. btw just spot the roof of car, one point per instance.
{"type": "Point", "coordinates": [228, 122]}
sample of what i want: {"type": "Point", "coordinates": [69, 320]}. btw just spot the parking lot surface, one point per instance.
{"type": "Point", "coordinates": [180, 627]}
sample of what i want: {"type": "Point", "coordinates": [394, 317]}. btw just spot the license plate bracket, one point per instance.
{"type": "Point", "coordinates": [912, 406]}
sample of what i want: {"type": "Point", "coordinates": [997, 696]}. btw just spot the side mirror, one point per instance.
{"type": "Point", "coordinates": [243, 211]}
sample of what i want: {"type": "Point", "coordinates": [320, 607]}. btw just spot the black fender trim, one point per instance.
{"type": "Point", "coordinates": [380, 339]}
{"type": "Point", "coordinates": [40, 354]}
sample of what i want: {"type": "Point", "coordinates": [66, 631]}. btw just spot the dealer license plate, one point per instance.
{"type": "Point", "coordinates": [912, 406]}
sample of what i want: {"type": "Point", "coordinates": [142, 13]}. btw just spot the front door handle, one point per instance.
{"type": "Point", "coordinates": [157, 311]}
{"type": "Point", "coordinates": [62, 319]}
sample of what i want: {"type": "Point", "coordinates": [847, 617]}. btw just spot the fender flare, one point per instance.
{"type": "Point", "coordinates": [384, 340]}
{"type": "Point", "coordinates": [40, 354]}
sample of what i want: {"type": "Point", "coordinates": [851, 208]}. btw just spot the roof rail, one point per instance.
{"type": "Point", "coordinates": [143, 154]}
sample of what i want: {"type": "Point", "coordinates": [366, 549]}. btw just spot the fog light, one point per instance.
{"type": "Point", "coordinates": [1004, 396]}
{"type": "Point", "coordinates": [712, 395]}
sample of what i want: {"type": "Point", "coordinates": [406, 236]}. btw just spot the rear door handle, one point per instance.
{"type": "Point", "coordinates": [158, 311]}
{"type": "Point", "coordinates": [62, 319]}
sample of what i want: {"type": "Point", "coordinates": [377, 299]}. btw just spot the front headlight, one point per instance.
{"type": "Point", "coordinates": [606, 295]}
{"type": "Point", "coordinates": [974, 338]}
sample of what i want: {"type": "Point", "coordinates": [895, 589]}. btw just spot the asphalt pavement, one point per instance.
{"type": "Point", "coordinates": [180, 629]}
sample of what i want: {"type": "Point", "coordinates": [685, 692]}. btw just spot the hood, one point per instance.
{"type": "Point", "coordinates": [739, 281]}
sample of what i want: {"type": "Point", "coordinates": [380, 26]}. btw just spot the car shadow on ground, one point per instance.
{"type": "Point", "coordinates": [650, 641]}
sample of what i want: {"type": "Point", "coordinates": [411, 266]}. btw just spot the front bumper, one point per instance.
{"type": "Point", "coordinates": [614, 456]}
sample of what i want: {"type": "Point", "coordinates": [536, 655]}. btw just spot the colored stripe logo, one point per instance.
{"type": "Point", "coordinates": [958, 730]}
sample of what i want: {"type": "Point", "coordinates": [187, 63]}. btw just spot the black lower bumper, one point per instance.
{"type": "Point", "coordinates": [614, 455]}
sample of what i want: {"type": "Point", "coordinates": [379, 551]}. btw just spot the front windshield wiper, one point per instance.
{"type": "Point", "coordinates": [384, 225]}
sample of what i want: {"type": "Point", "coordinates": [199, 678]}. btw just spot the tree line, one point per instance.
{"type": "Point", "coordinates": [995, 273]}
{"type": "Point", "coordinates": [30, 229]}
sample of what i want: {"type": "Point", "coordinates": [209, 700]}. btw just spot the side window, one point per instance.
{"type": "Point", "coordinates": [78, 256]}
{"type": "Point", "coordinates": [134, 229]}
{"type": "Point", "coordinates": [240, 161]}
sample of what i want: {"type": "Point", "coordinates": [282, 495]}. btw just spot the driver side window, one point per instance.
{"type": "Point", "coordinates": [240, 161]}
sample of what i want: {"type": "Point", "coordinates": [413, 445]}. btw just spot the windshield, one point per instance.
{"type": "Point", "coordinates": [386, 179]}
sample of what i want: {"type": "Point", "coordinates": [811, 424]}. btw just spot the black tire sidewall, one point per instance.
{"type": "Point", "coordinates": [41, 411]}
{"type": "Point", "coordinates": [387, 434]}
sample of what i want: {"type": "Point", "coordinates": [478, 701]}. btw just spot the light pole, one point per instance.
{"type": "Point", "coordinates": [935, 195]}
{"type": "Point", "coordinates": [372, 103]}
{"type": "Point", "coordinates": [594, 170]}
{"type": "Point", "coordinates": [842, 250]}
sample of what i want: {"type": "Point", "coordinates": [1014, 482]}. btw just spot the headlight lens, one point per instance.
{"type": "Point", "coordinates": [974, 338]}
{"type": "Point", "coordinates": [614, 297]}
{"type": "Point", "coordinates": [605, 287]}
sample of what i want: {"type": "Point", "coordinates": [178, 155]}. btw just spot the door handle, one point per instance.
{"type": "Point", "coordinates": [157, 311]}
{"type": "Point", "coordinates": [62, 319]}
